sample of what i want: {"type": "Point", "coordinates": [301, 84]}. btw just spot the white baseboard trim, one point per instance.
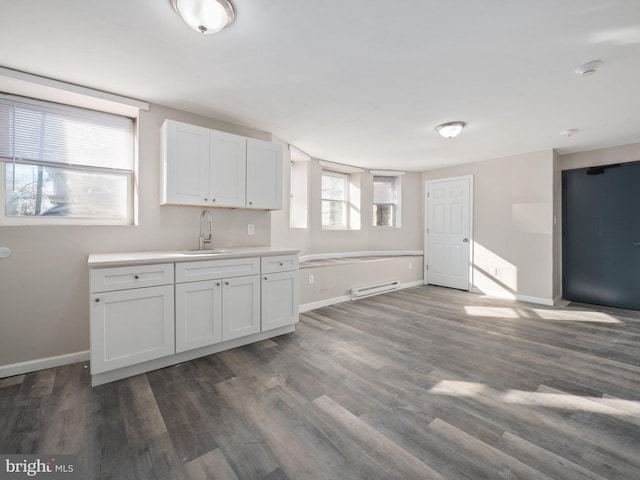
{"type": "Point", "coordinates": [522, 298]}
{"type": "Point", "coordinates": [345, 298]}
{"type": "Point", "coordinates": [42, 363]}
{"type": "Point", "coordinates": [324, 303]}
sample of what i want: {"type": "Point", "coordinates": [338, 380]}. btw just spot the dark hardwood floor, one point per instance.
{"type": "Point", "coordinates": [423, 383]}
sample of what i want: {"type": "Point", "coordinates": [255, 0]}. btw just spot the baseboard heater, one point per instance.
{"type": "Point", "coordinates": [374, 289]}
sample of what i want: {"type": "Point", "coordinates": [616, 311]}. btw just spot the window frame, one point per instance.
{"type": "Point", "coordinates": [346, 201]}
{"type": "Point", "coordinates": [78, 112]}
{"type": "Point", "coordinates": [395, 216]}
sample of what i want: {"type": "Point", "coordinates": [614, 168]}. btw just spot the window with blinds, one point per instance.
{"type": "Point", "coordinates": [384, 201]}
{"type": "Point", "coordinates": [62, 161]}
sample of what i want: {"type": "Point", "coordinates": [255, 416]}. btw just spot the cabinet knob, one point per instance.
{"type": "Point", "coordinates": [218, 284]}
{"type": "Point", "coordinates": [206, 199]}
{"type": "Point", "coordinates": [250, 203]}
{"type": "Point", "coordinates": [137, 277]}
{"type": "Point", "coordinates": [281, 264]}
{"type": "Point", "coordinates": [213, 199]}
{"type": "Point", "coordinates": [266, 278]}
{"type": "Point", "coordinates": [226, 283]}
{"type": "Point", "coordinates": [97, 300]}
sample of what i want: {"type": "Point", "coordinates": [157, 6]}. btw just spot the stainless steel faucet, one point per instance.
{"type": "Point", "coordinates": [206, 230]}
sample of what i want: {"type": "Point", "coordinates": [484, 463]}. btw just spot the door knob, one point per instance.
{"type": "Point", "coordinates": [465, 240]}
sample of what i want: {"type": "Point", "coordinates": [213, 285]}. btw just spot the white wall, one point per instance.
{"type": "Point", "coordinates": [44, 308]}
{"type": "Point", "coordinates": [316, 240]}
{"type": "Point", "coordinates": [512, 223]}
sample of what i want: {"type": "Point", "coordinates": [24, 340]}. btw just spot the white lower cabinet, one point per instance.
{"type": "Point", "coordinates": [216, 301]}
{"type": "Point", "coordinates": [130, 327]}
{"type": "Point", "coordinates": [213, 311]}
{"type": "Point", "coordinates": [240, 307]}
{"type": "Point", "coordinates": [164, 313]}
{"type": "Point", "coordinates": [198, 314]}
{"type": "Point", "coordinates": [279, 299]}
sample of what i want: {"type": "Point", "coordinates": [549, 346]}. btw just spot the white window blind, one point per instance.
{"type": "Point", "coordinates": [44, 133]}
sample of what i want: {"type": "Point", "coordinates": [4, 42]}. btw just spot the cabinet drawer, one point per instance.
{"type": "Point", "coordinates": [123, 278]}
{"type": "Point", "coordinates": [281, 263]}
{"type": "Point", "coordinates": [212, 269]}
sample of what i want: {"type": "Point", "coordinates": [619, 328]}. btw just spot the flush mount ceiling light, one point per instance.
{"type": "Point", "coordinates": [588, 69]}
{"type": "Point", "coordinates": [569, 133]}
{"type": "Point", "coordinates": [205, 16]}
{"type": "Point", "coordinates": [450, 129]}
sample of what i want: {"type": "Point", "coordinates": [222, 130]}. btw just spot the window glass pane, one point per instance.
{"type": "Point", "coordinates": [334, 213]}
{"type": "Point", "coordinates": [334, 187]}
{"type": "Point", "coordinates": [383, 215]}
{"type": "Point", "coordinates": [35, 190]}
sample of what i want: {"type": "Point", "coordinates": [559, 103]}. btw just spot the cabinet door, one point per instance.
{"type": "Point", "coordinates": [240, 307]}
{"type": "Point", "coordinates": [228, 160]}
{"type": "Point", "coordinates": [264, 175]}
{"type": "Point", "coordinates": [131, 326]}
{"type": "Point", "coordinates": [185, 169]}
{"type": "Point", "coordinates": [279, 299]}
{"type": "Point", "coordinates": [198, 314]}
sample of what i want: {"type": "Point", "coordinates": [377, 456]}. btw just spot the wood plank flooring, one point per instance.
{"type": "Point", "coordinates": [423, 383]}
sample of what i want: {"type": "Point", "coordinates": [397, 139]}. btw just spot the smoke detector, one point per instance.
{"type": "Point", "coordinates": [588, 69]}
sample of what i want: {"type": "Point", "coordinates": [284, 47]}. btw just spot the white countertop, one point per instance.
{"type": "Point", "coordinates": [99, 260]}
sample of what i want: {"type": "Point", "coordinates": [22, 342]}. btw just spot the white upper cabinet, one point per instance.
{"type": "Point", "coordinates": [208, 168]}
{"type": "Point", "coordinates": [228, 160]}
{"type": "Point", "coordinates": [264, 175]}
{"type": "Point", "coordinates": [185, 164]}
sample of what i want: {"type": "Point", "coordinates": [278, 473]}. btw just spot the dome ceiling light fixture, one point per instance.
{"type": "Point", "coordinates": [205, 16]}
{"type": "Point", "coordinates": [569, 133]}
{"type": "Point", "coordinates": [588, 69]}
{"type": "Point", "coordinates": [450, 129]}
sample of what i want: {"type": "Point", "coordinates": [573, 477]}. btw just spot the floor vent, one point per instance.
{"type": "Point", "coordinates": [374, 289]}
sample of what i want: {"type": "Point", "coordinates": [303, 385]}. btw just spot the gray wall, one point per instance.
{"type": "Point", "coordinates": [44, 308]}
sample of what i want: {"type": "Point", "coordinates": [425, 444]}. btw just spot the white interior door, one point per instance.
{"type": "Point", "coordinates": [448, 232]}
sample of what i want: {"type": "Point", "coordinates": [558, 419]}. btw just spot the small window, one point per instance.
{"type": "Point", "coordinates": [65, 164]}
{"type": "Point", "coordinates": [335, 200]}
{"type": "Point", "coordinates": [385, 201]}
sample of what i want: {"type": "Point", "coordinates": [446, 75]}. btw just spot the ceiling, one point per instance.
{"type": "Point", "coordinates": [361, 82]}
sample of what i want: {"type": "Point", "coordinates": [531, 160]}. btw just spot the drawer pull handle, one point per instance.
{"type": "Point", "coordinates": [137, 277]}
